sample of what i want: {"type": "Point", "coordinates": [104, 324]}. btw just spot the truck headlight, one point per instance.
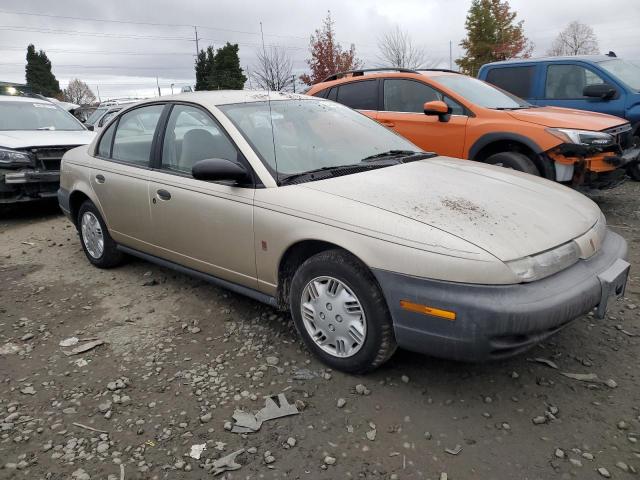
{"type": "Point", "coordinates": [536, 267]}
{"type": "Point", "coordinates": [582, 137]}
{"type": "Point", "coordinates": [13, 158]}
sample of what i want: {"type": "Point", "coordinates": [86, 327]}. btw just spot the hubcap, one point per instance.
{"type": "Point", "coordinates": [92, 235]}
{"type": "Point", "coordinates": [333, 317]}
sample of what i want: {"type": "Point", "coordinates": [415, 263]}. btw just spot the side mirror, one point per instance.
{"type": "Point", "coordinates": [599, 90]}
{"type": "Point", "coordinates": [439, 108]}
{"type": "Point", "coordinates": [216, 169]}
{"type": "Point", "coordinates": [89, 127]}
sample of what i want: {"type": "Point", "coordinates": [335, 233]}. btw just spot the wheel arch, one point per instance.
{"type": "Point", "coordinates": [294, 256]}
{"type": "Point", "coordinates": [497, 142]}
{"type": "Point", "coordinates": [76, 199]}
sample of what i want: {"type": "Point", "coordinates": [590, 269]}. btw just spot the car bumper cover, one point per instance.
{"type": "Point", "coordinates": [498, 321]}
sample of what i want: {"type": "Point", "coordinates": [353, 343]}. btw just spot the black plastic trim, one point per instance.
{"type": "Point", "coordinates": [234, 287]}
{"type": "Point", "coordinates": [501, 136]}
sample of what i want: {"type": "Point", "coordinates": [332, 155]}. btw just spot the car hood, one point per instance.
{"type": "Point", "coordinates": [44, 138]}
{"type": "Point", "coordinates": [567, 118]}
{"type": "Point", "coordinates": [508, 214]}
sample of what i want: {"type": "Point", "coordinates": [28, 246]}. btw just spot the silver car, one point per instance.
{"type": "Point", "coordinates": [371, 243]}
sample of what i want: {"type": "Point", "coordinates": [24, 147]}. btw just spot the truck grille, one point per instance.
{"type": "Point", "coordinates": [48, 158]}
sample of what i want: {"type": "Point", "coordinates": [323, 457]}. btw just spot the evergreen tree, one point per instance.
{"type": "Point", "coordinates": [201, 70]}
{"type": "Point", "coordinates": [219, 70]}
{"type": "Point", "coordinates": [227, 74]}
{"type": "Point", "coordinates": [492, 35]}
{"type": "Point", "coordinates": [38, 74]}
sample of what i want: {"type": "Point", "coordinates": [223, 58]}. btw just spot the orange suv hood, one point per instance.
{"type": "Point", "coordinates": [566, 118]}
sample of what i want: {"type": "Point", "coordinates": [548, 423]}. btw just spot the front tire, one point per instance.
{"type": "Point", "coordinates": [514, 160]}
{"type": "Point", "coordinates": [96, 242]}
{"type": "Point", "coordinates": [634, 170]}
{"type": "Point", "coordinates": [341, 314]}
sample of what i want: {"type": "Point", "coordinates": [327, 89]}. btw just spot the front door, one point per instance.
{"type": "Point", "coordinates": [120, 176]}
{"type": "Point", "coordinates": [403, 111]}
{"type": "Point", "coordinates": [206, 226]}
{"type": "Point", "coordinates": [564, 84]}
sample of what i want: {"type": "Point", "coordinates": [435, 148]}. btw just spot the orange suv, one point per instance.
{"type": "Point", "coordinates": [460, 116]}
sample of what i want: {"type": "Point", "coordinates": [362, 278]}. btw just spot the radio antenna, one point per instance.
{"type": "Point", "coordinates": [273, 136]}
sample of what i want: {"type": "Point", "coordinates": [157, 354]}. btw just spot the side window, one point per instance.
{"type": "Point", "coordinates": [516, 80]}
{"type": "Point", "coordinates": [359, 95]}
{"type": "Point", "coordinates": [191, 136]}
{"type": "Point", "coordinates": [408, 96]}
{"type": "Point", "coordinates": [132, 143]}
{"type": "Point", "coordinates": [333, 94]}
{"type": "Point", "coordinates": [322, 93]}
{"type": "Point", "coordinates": [106, 117]}
{"type": "Point", "coordinates": [104, 149]}
{"type": "Point", "coordinates": [568, 81]}
{"type": "Point", "coordinates": [456, 108]}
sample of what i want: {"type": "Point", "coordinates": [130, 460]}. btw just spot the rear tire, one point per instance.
{"type": "Point", "coordinates": [515, 161]}
{"type": "Point", "coordinates": [96, 242]}
{"type": "Point", "coordinates": [346, 322]}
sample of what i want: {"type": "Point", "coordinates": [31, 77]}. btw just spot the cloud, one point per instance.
{"type": "Point", "coordinates": [125, 58]}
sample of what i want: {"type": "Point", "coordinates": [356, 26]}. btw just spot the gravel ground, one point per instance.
{"type": "Point", "coordinates": [180, 356]}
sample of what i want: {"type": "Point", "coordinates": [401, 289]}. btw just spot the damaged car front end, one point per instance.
{"type": "Point", "coordinates": [34, 135]}
{"type": "Point", "coordinates": [593, 159]}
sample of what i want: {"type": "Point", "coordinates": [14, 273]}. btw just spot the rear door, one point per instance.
{"type": "Point", "coordinates": [403, 111]}
{"type": "Point", "coordinates": [120, 175]}
{"type": "Point", "coordinates": [206, 226]}
{"type": "Point", "coordinates": [520, 80]}
{"type": "Point", "coordinates": [563, 85]}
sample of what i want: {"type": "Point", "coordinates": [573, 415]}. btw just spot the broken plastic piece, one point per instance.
{"type": "Point", "coordinates": [69, 342]}
{"type": "Point", "coordinates": [272, 410]}
{"type": "Point", "coordinates": [83, 348]}
{"type": "Point", "coordinates": [227, 463]}
{"type": "Point", "coordinates": [196, 450]}
{"type": "Point", "coordinates": [245, 422]}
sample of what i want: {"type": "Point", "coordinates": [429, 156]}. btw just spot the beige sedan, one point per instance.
{"type": "Point", "coordinates": [307, 205]}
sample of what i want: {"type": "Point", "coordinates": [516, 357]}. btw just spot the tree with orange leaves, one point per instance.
{"type": "Point", "coordinates": [492, 35]}
{"type": "Point", "coordinates": [327, 56]}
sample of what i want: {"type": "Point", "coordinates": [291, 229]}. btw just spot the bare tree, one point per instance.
{"type": "Point", "coordinates": [576, 39]}
{"type": "Point", "coordinates": [273, 70]}
{"type": "Point", "coordinates": [78, 92]}
{"type": "Point", "coordinates": [398, 51]}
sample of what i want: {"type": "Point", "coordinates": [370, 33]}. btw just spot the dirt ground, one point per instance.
{"type": "Point", "coordinates": [180, 356]}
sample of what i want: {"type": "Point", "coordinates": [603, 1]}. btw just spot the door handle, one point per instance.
{"type": "Point", "coordinates": [163, 194]}
{"type": "Point", "coordinates": [387, 123]}
{"type": "Point", "coordinates": [100, 178]}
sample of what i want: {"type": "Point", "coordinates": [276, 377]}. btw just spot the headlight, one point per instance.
{"type": "Point", "coordinates": [582, 137]}
{"type": "Point", "coordinates": [14, 158]}
{"type": "Point", "coordinates": [536, 267]}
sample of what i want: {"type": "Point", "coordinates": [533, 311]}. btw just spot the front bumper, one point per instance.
{"type": "Point", "coordinates": [28, 185]}
{"type": "Point", "coordinates": [498, 321]}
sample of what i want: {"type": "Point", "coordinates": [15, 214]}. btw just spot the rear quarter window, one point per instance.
{"type": "Point", "coordinates": [515, 80]}
{"type": "Point", "coordinates": [359, 95]}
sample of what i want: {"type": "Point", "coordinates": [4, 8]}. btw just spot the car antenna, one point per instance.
{"type": "Point", "coordinates": [273, 136]}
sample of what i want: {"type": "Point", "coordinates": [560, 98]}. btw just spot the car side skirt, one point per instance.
{"type": "Point", "coordinates": [242, 290]}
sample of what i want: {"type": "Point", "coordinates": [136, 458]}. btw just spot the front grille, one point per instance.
{"type": "Point", "coordinates": [48, 158]}
{"type": "Point", "coordinates": [622, 134]}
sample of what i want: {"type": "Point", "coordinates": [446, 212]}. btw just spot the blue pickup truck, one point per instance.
{"type": "Point", "coordinates": [600, 83]}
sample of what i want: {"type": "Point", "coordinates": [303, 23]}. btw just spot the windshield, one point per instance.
{"type": "Point", "coordinates": [625, 71]}
{"type": "Point", "coordinates": [20, 115]}
{"type": "Point", "coordinates": [311, 134]}
{"type": "Point", "coordinates": [95, 116]}
{"type": "Point", "coordinates": [481, 93]}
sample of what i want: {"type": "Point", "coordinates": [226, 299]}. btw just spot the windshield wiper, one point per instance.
{"type": "Point", "coordinates": [336, 168]}
{"type": "Point", "coordinates": [388, 154]}
{"type": "Point", "coordinates": [521, 107]}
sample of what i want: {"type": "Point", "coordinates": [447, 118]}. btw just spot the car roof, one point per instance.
{"type": "Point", "coordinates": [587, 58]}
{"type": "Point", "coordinates": [22, 98]}
{"type": "Point", "coordinates": [225, 97]}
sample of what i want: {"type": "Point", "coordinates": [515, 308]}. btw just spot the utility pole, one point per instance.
{"type": "Point", "coordinates": [172, 88]}
{"type": "Point", "coordinates": [293, 77]}
{"type": "Point", "coordinates": [98, 90]}
{"type": "Point", "coordinates": [450, 55]}
{"type": "Point", "coordinates": [158, 84]}
{"type": "Point", "coordinates": [195, 29]}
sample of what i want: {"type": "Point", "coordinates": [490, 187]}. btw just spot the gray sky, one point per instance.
{"type": "Point", "coordinates": [124, 58]}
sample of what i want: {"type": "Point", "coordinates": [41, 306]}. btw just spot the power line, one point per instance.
{"type": "Point", "coordinates": [124, 67]}
{"type": "Point", "coordinates": [96, 52]}
{"type": "Point", "coordinates": [91, 34]}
